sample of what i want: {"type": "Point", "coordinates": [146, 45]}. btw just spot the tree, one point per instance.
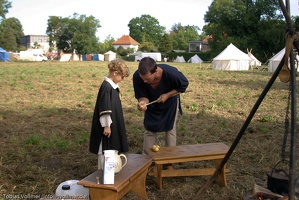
{"type": "Point", "coordinates": [146, 46]}
{"type": "Point", "coordinates": [146, 28]}
{"type": "Point", "coordinates": [76, 32]}
{"type": "Point", "coordinates": [4, 6]}
{"type": "Point", "coordinates": [181, 35]}
{"type": "Point", "coordinates": [36, 45]}
{"type": "Point", "coordinates": [11, 31]}
{"type": "Point", "coordinates": [166, 44]}
{"type": "Point", "coordinates": [7, 39]}
{"type": "Point", "coordinates": [85, 39]}
{"type": "Point", "coordinates": [124, 52]}
{"type": "Point", "coordinates": [245, 23]}
{"type": "Point", "coordinates": [107, 45]}
{"type": "Point", "coordinates": [296, 23]}
{"type": "Point", "coordinates": [54, 30]}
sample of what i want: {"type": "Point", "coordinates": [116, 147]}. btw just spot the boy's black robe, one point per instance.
{"type": "Point", "coordinates": [108, 102]}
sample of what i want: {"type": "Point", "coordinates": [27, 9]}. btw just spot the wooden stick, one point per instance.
{"type": "Point", "coordinates": [151, 102]}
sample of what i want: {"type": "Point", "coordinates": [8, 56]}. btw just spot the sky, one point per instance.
{"type": "Point", "coordinates": [114, 15]}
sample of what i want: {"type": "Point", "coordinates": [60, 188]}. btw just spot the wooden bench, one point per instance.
{"type": "Point", "coordinates": [131, 178]}
{"type": "Point", "coordinates": [188, 153]}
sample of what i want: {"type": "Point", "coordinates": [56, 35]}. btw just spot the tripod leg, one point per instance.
{"type": "Point", "coordinates": [242, 131]}
{"type": "Point", "coordinates": [293, 131]}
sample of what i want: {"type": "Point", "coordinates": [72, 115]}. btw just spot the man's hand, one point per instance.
{"type": "Point", "coordinates": [166, 96]}
{"type": "Point", "coordinates": [163, 98]}
{"type": "Point", "coordinates": [142, 106]}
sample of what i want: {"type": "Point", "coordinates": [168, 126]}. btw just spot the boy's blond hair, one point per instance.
{"type": "Point", "coordinates": [120, 66]}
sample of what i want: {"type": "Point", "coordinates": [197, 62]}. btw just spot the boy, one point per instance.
{"type": "Point", "coordinates": [108, 127]}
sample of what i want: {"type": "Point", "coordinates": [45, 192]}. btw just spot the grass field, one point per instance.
{"type": "Point", "coordinates": [46, 111]}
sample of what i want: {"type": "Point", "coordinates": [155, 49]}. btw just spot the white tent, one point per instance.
{"type": "Point", "coordinates": [275, 60]}
{"type": "Point", "coordinates": [253, 60]}
{"type": "Point", "coordinates": [110, 55]}
{"type": "Point", "coordinates": [69, 57]}
{"type": "Point", "coordinates": [195, 59]}
{"type": "Point", "coordinates": [179, 59]}
{"type": "Point", "coordinates": [231, 58]}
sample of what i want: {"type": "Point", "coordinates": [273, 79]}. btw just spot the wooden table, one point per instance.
{"type": "Point", "coordinates": [131, 178]}
{"type": "Point", "coordinates": [188, 153]}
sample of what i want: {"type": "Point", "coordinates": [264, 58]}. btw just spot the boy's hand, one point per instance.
{"type": "Point", "coordinates": [107, 131]}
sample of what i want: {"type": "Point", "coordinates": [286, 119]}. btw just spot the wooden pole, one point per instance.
{"type": "Point", "coordinates": [241, 133]}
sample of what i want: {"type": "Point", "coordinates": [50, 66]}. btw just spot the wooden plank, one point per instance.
{"type": "Point", "coordinates": [188, 159]}
{"type": "Point", "coordinates": [189, 151]}
{"type": "Point", "coordinates": [187, 172]}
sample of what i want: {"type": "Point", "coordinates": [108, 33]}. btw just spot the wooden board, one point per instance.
{"type": "Point", "coordinates": [133, 168]}
{"type": "Point", "coordinates": [187, 152]}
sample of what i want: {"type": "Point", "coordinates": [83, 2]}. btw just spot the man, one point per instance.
{"type": "Point", "coordinates": [161, 83]}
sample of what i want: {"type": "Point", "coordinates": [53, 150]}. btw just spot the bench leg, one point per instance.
{"type": "Point", "coordinates": [159, 175]}
{"type": "Point", "coordinates": [102, 194]}
{"type": "Point", "coordinates": [140, 187]}
{"type": "Point", "coordinates": [221, 176]}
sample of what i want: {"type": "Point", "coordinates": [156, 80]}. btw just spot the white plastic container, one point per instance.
{"type": "Point", "coordinates": [71, 190]}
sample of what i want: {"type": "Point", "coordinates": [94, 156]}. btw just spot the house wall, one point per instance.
{"type": "Point", "coordinates": [205, 47]}
{"type": "Point", "coordinates": [126, 46]}
{"type": "Point", "coordinates": [194, 47]}
{"type": "Point", "coordinates": [29, 40]}
{"type": "Point", "coordinates": [198, 46]}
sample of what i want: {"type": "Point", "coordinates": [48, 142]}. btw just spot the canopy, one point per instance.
{"type": "Point", "coordinates": [110, 55]}
{"type": "Point", "coordinates": [195, 59]}
{"type": "Point", "coordinates": [3, 55]}
{"type": "Point", "coordinates": [231, 58]}
{"type": "Point", "coordinates": [99, 57]}
{"type": "Point", "coordinates": [179, 59]}
{"type": "Point", "coordinates": [253, 60]}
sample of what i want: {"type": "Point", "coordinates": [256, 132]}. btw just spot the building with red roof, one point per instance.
{"type": "Point", "coordinates": [126, 42]}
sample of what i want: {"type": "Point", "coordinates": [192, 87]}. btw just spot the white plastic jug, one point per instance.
{"type": "Point", "coordinates": [71, 190]}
